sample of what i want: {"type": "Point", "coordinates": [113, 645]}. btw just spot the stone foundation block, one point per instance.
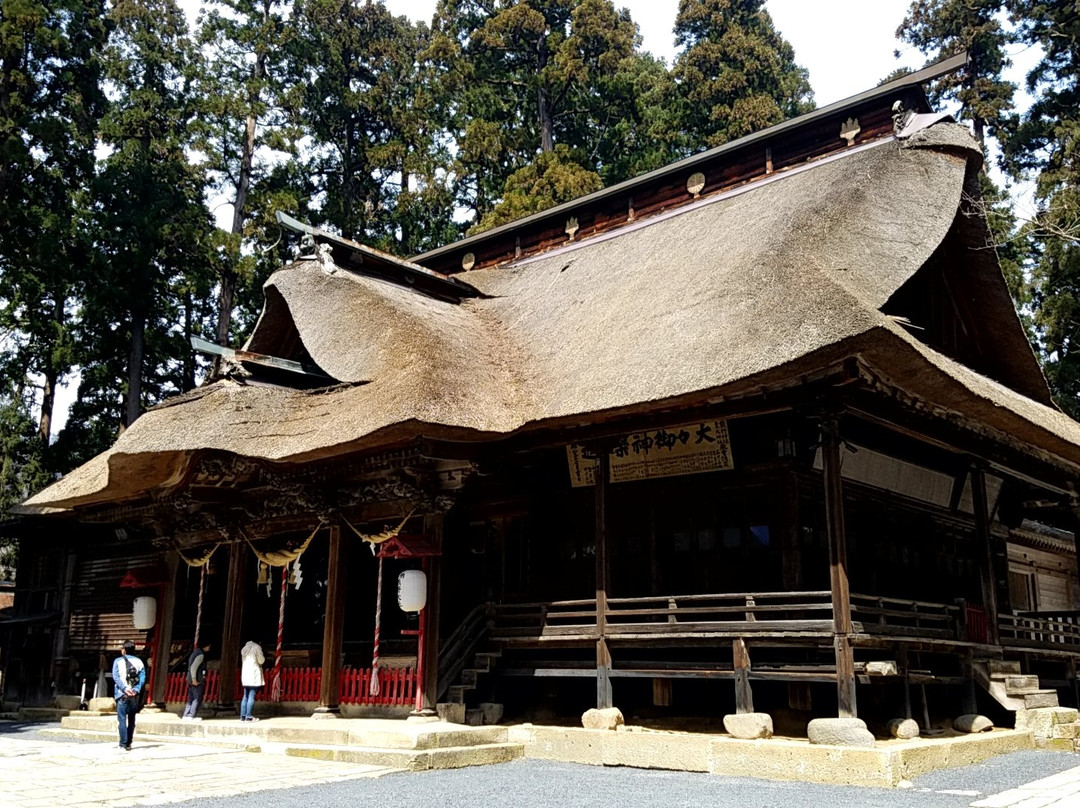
{"type": "Point", "coordinates": [102, 705]}
{"type": "Point", "coordinates": [493, 712]}
{"type": "Point", "coordinates": [451, 713]}
{"type": "Point", "coordinates": [972, 722]}
{"type": "Point", "coordinates": [474, 717]}
{"type": "Point", "coordinates": [839, 732]}
{"type": "Point", "coordinates": [608, 718]}
{"type": "Point", "coordinates": [904, 728]}
{"type": "Point", "coordinates": [749, 726]}
{"type": "Point", "coordinates": [1066, 730]}
{"type": "Point", "coordinates": [1042, 720]}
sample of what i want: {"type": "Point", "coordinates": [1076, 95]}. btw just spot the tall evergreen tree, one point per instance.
{"type": "Point", "coordinates": [736, 74]}
{"type": "Point", "coordinates": [981, 95]}
{"type": "Point", "coordinates": [239, 89]}
{"type": "Point", "coordinates": [524, 76]}
{"type": "Point", "coordinates": [50, 102]}
{"type": "Point", "coordinates": [941, 28]}
{"type": "Point", "coordinates": [1046, 146]}
{"type": "Point", "coordinates": [376, 163]}
{"type": "Point", "coordinates": [151, 226]}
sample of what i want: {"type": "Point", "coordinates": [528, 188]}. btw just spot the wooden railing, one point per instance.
{"type": "Point", "coordinates": [397, 686]}
{"type": "Point", "coordinates": [460, 646]}
{"type": "Point", "coordinates": [739, 614]}
{"type": "Point", "coordinates": [1040, 629]}
{"type": "Point", "coordinates": [896, 617]}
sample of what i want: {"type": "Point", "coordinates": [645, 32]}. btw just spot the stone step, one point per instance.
{"type": "Point", "coordinates": [43, 713]}
{"type": "Point", "coordinates": [451, 757]}
{"type": "Point", "coordinates": [1040, 698]}
{"type": "Point", "coordinates": [1003, 666]}
{"type": "Point", "coordinates": [1018, 685]}
{"type": "Point", "coordinates": [384, 735]}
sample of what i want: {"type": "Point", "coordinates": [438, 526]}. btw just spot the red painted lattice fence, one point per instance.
{"type": "Point", "coordinates": [397, 686]}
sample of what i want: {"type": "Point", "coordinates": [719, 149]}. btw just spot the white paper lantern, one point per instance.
{"type": "Point", "coordinates": [412, 590]}
{"type": "Point", "coordinates": [144, 612]}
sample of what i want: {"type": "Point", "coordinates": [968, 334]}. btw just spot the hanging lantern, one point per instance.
{"type": "Point", "coordinates": [144, 612]}
{"type": "Point", "coordinates": [412, 590]}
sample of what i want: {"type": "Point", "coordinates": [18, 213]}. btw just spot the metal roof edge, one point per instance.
{"type": "Point", "coordinates": [915, 79]}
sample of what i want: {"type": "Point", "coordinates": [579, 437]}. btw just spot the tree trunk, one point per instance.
{"type": "Point", "coordinates": [543, 107]}
{"type": "Point", "coordinates": [52, 378]}
{"type": "Point", "coordinates": [133, 403]}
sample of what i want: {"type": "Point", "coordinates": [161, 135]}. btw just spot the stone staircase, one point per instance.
{"type": "Point", "coordinates": [482, 662]}
{"type": "Point", "coordinates": [386, 743]}
{"type": "Point", "coordinates": [1036, 708]}
{"type": "Point", "coordinates": [1011, 688]}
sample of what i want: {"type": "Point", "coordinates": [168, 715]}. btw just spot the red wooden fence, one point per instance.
{"type": "Point", "coordinates": [397, 686]}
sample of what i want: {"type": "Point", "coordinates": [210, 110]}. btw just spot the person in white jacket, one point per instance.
{"type": "Point", "coordinates": [251, 677]}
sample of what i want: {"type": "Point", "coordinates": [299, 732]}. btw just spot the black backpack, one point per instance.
{"type": "Point", "coordinates": [133, 682]}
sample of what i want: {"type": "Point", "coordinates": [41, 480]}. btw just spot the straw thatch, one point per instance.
{"type": "Point", "coordinates": [761, 283]}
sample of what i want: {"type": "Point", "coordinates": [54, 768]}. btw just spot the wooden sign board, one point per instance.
{"type": "Point", "coordinates": [688, 449]}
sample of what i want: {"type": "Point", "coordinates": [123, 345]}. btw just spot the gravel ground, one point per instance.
{"type": "Point", "coordinates": [563, 785]}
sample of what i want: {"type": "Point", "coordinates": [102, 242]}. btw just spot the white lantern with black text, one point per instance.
{"type": "Point", "coordinates": [412, 590]}
{"type": "Point", "coordinates": [144, 612]}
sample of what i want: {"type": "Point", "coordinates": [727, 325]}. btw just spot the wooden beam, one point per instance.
{"type": "Point", "coordinates": [987, 576]}
{"type": "Point", "coordinates": [230, 632]}
{"type": "Point", "coordinates": [165, 631]}
{"type": "Point", "coordinates": [744, 696]}
{"type": "Point", "coordinates": [433, 531]}
{"type": "Point", "coordinates": [330, 684]}
{"type": "Point", "coordinates": [603, 653]}
{"type": "Point", "coordinates": [838, 570]}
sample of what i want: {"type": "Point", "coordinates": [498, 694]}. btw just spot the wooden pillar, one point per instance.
{"type": "Point", "coordinates": [165, 631]}
{"type": "Point", "coordinates": [61, 637]}
{"type": "Point", "coordinates": [1074, 586]}
{"type": "Point", "coordinates": [603, 653]}
{"type": "Point", "coordinates": [230, 632]}
{"type": "Point", "coordinates": [744, 697]}
{"type": "Point", "coordinates": [987, 577]}
{"type": "Point", "coordinates": [433, 530]}
{"type": "Point", "coordinates": [838, 570]}
{"type": "Point", "coordinates": [333, 626]}
{"type": "Point", "coordinates": [790, 548]}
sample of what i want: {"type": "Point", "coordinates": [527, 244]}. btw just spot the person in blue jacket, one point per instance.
{"type": "Point", "coordinates": [129, 678]}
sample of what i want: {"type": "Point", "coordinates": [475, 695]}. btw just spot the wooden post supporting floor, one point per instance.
{"type": "Point", "coordinates": [165, 630]}
{"type": "Point", "coordinates": [333, 626]}
{"type": "Point", "coordinates": [230, 632]}
{"type": "Point", "coordinates": [987, 576]}
{"type": "Point", "coordinates": [433, 531]}
{"type": "Point", "coordinates": [744, 697]}
{"type": "Point", "coordinates": [603, 653]}
{"type": "Point", "coordinates": [838, 570]}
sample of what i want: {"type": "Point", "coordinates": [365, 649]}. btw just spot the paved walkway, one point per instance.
{"type": "Point", "coordinates": [48, 774]}
{"type": "Point", "coordinates": [1059, 791]}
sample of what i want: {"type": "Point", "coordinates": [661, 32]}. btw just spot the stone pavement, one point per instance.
{"type": "Point", "coordinates": [1059, 791]}
{"type": "Point", "coordinates": [48, 774]}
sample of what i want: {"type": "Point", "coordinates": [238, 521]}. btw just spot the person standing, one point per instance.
{"type": "Point", "coordinates": [129, 677]}
{"type": "Point", "coordinates": [251, 677]}
{"type": "Point", "coordinates": [196, 681]}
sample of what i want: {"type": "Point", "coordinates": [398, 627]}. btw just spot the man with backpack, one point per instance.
{"type": "Point", "coordinates": [129, 677]}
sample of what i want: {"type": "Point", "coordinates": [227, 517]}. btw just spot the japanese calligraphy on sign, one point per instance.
{"type": "Point", "coordinates": [688, 449]}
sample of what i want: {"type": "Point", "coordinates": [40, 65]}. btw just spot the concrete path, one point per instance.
{"type": "Point", "coordinates": [49, 774]}
{"type": "Point", "coordinates": [1059, 791]}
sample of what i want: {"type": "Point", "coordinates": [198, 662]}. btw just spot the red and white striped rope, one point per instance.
{"type": "Point", "coordinates": [198, 611]}
{"type": "Point", "coordinates": [277, 692]}
{"type": "Point", "coordinates": [374, 687]}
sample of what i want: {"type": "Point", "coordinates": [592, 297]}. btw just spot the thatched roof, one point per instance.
{"type": "Point", "coordinates": [760, 283]}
